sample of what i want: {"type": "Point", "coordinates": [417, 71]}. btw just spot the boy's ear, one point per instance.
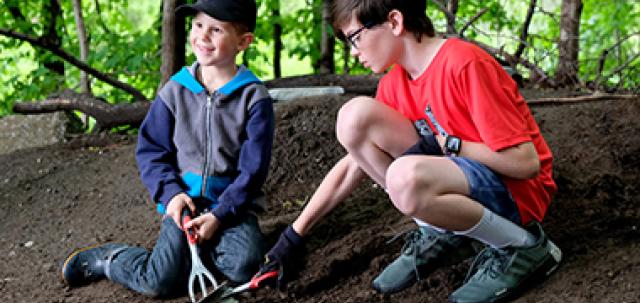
{"type": "Point", "coordinates": [245, 41]}
{"type": "Point", "coordinates": [396, 21]}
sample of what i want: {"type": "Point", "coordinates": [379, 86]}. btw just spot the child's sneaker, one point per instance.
{"type": "Point", "coordinates": [424, 250]}
{"type": "Point", "coordinates": [497, 274]}
{"type": "Point", "coordinates": [87, 264]}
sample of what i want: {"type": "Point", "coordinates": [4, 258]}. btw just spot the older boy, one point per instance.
{"type": "Point", "coordinates": [476, 168]}
{"type": "Point", "coordinates": [205, 145]}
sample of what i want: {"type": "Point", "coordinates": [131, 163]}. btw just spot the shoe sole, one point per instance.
{"type": "Point", "coordinates": [548, 267]}
{"type": "Point", "coordinates": [73, 254]}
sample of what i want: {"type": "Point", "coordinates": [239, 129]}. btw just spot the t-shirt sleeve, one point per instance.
{"type": "Point", "coordinates": [493, 104]}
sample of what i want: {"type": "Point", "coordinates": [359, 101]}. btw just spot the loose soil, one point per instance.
{"type": "Point", "coordinates": [87, 191]}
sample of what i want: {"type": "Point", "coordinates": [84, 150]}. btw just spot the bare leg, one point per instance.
{"type": "Point", "coordinates": [374, 135]}
{"type": "Point", "coordinates": [433, 189]}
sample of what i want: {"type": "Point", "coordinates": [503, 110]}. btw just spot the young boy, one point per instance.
{"type": "Point", "coordinates": [205, 145]}
{"type": "Point", "coordinates": [453, 143]}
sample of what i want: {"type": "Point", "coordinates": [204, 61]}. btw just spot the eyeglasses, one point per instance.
{"type": "Point", "coordinates": [354, 38]}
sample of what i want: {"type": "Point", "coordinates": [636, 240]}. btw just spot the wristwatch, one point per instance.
{"type": "Point", "coordinates": [452, 146]}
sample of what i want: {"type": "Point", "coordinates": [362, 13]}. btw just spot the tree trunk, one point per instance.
{"type": "Point", "coordinates": [567, 71]}
{"type": "Point", "coordinates": [85, 86]}
{"type": "Point", "coordinates": [277, 40]}
{"type": "Point", "coordinates": [328, 42]}
{"type": "Point", "coordinates": [51, 34]}
{"type": "Point", "coordinates": [452, 7]}
{"type": "Point", "coordinates": [346, 54]}
{"type": "Point", "coordinates": [173, 40]}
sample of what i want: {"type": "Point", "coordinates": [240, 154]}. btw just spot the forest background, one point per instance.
{"type": "Point", "coordinates": [45, 44]}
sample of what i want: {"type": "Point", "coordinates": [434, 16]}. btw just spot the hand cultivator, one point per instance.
{"type": "Point", "coordinates": [197, 268]}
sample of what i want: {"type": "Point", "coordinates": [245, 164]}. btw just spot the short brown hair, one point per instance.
{"type": "Point", "coordinates": [376, 12]}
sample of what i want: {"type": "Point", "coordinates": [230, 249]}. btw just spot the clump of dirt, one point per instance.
{"type": "Point", "coordinates": [87, 191]}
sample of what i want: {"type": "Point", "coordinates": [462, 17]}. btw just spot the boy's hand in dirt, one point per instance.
{"type": "Point", "coordinates": [204, 225]}
{"type": "Point", "coordinates": [282, 258]}
{"type": "Point", "coordinates": [177, 203]}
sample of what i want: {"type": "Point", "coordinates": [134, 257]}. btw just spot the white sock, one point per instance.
{"type": "Point", "coordinates": [499, 232]}
{"type": "Point", "coordinates": [425, 224]}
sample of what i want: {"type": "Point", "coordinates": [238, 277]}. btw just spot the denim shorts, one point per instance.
{"type": "Point", "coordinates": [487, 188]}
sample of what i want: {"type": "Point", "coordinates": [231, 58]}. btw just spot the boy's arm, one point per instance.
{"type": "Point", "coordinates": [253, 163]}
{"type": "Point", "coordinates": [339, 183]}
{"type": "Point", "coordinates": [156, 154]}
{"type": "Point", "coordinates": [341, 180]}
{"type": "Point", "coordinates": [518, 162]}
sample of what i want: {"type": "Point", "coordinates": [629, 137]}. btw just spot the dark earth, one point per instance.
{"type": "Point", "coordinates": [87, 191]}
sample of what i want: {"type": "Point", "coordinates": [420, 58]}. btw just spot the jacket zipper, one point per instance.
{"type": "Point", "coordinates": [207, 147]}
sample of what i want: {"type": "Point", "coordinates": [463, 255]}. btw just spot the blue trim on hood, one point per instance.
{"type": "Point", "coordinates": [187, 80]}
{"type": "Point", "coordinates": [243, 77]}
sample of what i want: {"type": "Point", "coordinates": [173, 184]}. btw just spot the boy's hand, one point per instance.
{"type": "Point", "coordinates": [177, 203]}
{"type": "Point", "coordinates": [204, 225]}
{"type": "Point", "coordinates": [282, 258]}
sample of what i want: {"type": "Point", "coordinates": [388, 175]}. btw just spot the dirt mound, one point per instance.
{"type": "Point", "coordinates": [88, 191]}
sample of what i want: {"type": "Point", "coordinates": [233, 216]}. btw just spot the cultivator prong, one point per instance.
{"type": "Point", "coordinates": [197, 268]}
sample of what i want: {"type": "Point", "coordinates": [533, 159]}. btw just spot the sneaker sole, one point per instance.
{"type": "Point", "coordinates": [548, 267]}
{"type": "Point", "coordinates": [73, 254]}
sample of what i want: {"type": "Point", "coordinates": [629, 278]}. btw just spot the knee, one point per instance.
{"type": "Point", "coordinates": [243, 268]}
{"type": "Point", "coordinates": [409, 185]}
{"type": "Point", "coordinates": [352, 120]}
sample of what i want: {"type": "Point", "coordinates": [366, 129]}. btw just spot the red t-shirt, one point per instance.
{"type": "Point", "coordinates": [472, 97]}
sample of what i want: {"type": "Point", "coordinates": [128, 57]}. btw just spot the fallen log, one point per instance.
{"type": "Point", "coordinates": [106, 115]}
{"type": "Point", "coordinates": [586, 98]}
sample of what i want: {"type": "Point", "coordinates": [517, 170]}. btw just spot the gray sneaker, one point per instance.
{"type": "Point", "coordinates": [424, 251]}
{"type": "Point", "coordinates": [498, 274]}
{"type": "Point", "coordinates": [87, 264]}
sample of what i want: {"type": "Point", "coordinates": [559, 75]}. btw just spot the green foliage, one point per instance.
{"type": "Point", "coordinates": [604, 23]}
{"type": "Point", "coordinates": [126, 47]}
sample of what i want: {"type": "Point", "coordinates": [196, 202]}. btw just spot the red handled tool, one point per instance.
{"type": "Point", "coordinates": [197, 268]}
{"type": "Point", "coordinates": [256, 282]}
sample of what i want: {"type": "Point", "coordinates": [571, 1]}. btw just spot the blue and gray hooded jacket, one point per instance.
{"type": "Point", "coordinates": [208, 145]}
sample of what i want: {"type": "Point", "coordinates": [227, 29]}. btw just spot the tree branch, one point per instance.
{"type": "Point", "coordinates": [525, 30]}
{"type": "Point", "coordinates": [43, 43]}
{"type": "Point", "coordinates": [106, 115]}
{"type": "Point", "coordinates": [544, 79]}
{"type": "Point", "coordinates": [593, 97]}
{"type": "Point", "coordinates": [473, 19]}
{"type": "Point", "coordinates": [451, 17]}
{"type": "Point", "coordinates": [603, 58]}
{"type": "Point", "coordinates": [623, 66]}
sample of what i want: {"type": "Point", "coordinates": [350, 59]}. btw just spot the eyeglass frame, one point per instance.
{"type": "Point", "coordinates": [356, 34]}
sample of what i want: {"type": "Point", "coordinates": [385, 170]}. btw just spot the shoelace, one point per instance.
{"type": "Point", "coordinates": [490, 262]}
{"type": "Point", "coordinates": [413, 240]}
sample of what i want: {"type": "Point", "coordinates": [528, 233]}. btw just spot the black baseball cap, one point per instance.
{"type": "Point", "coordinates": [240, 11]}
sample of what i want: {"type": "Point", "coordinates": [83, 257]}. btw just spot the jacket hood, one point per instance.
{"type": "Point", "coordinates": [186, 77]}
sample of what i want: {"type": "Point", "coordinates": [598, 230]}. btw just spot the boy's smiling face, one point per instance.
{"type": "Point", "coordinates": [216, 42]}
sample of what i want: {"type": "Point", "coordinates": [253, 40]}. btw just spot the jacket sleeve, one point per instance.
{"type": "Point", "coordinates": [253, 163]}
{"type": "Point", "coordinates": [156, 154]}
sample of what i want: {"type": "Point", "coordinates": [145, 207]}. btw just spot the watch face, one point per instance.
{"type": "Point", "coordinates": [452, 144]}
